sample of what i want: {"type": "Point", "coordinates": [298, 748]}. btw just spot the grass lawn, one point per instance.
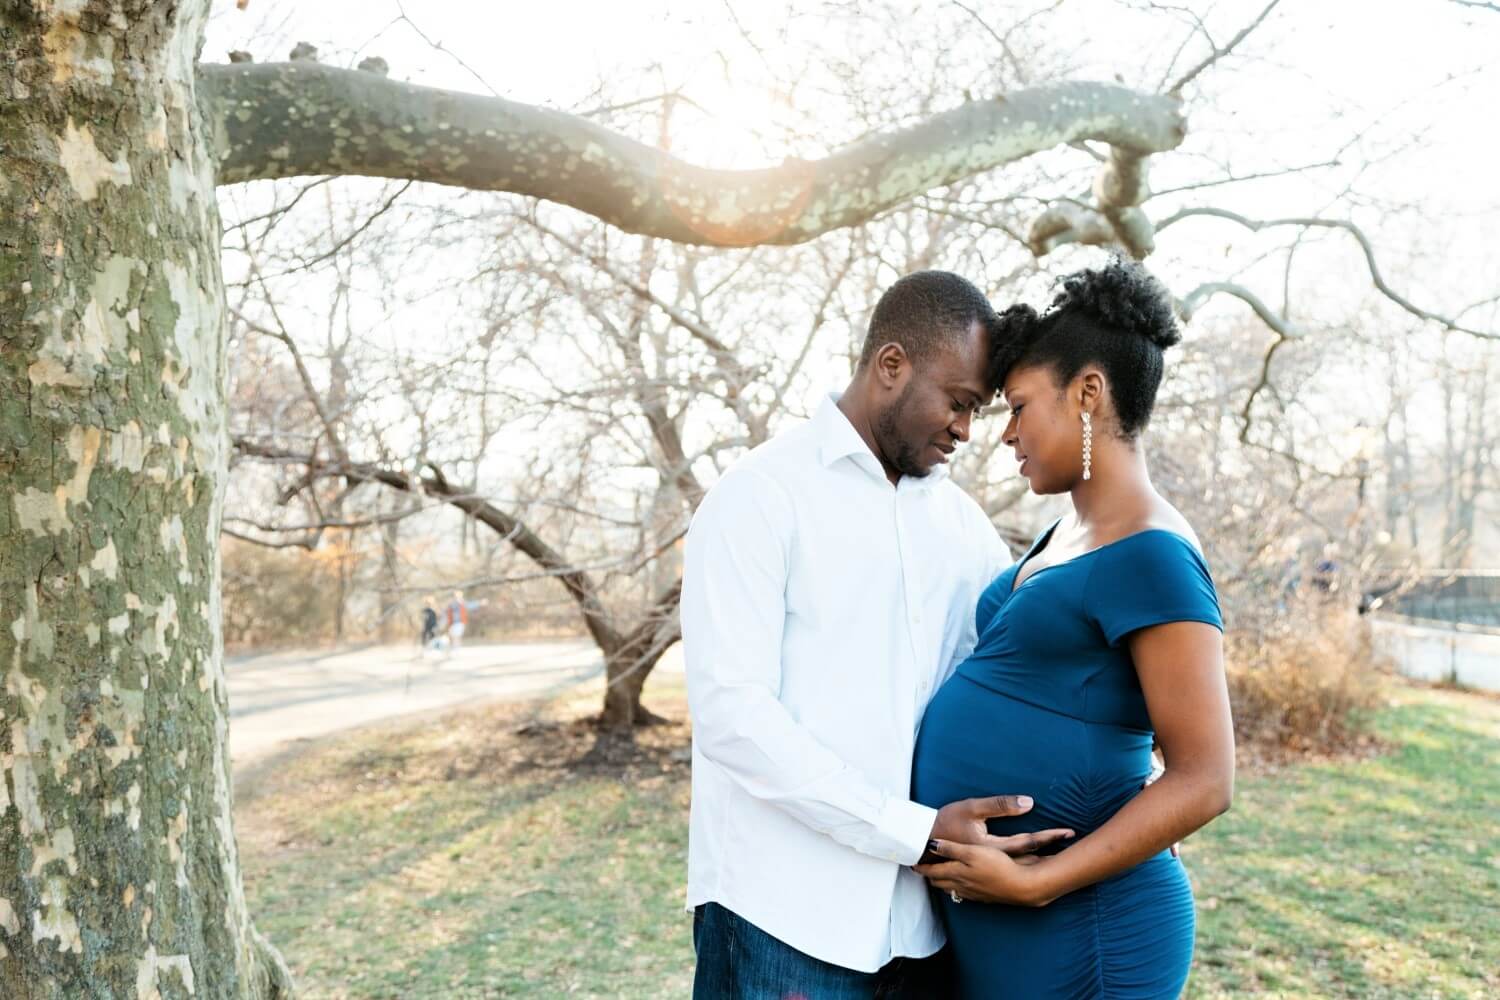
{"type": "Point", "coordinates": [1377, 878]}
{"type": "Point", "coordinates": [489, 854]}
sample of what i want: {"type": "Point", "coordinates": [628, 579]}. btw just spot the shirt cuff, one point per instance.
{"type": "Point", "coordinates": [907, 826]}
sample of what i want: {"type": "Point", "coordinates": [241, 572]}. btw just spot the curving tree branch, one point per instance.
{"type": "Point", "coordinates": [1368, 248]}
{"type": "Point", "coordinates": [300, 118]}
{"type": "Point", "coordinates": [580, 586]}
{"type": "Point", "coordinates": [1280, 326]}
{"type": "Point", "coordinates": [1114, 220]}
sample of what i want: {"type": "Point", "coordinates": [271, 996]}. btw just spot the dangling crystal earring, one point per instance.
{"type": "Point", "coordinates": [1088, 446]}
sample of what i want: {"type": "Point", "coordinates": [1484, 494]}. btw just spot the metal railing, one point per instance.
{"type": "Point", "coordinates": [1462, 599]}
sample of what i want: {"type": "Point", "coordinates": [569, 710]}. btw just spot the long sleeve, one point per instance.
{"type": "Point", "coordinates": [738, 558]}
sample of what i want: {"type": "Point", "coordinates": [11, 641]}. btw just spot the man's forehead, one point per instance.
{"type": "Point", "coordinates": [963, 359]}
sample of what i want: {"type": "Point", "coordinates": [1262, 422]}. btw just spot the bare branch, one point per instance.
{"type": "Point", "coordinates": [696, 327]}
{"type": "Point", "coordinates": [1114, 219]}
{"type": "Point", "coordinates": [1067, 222]}
{"type": "Point", "coordinates": [1219, 53]}
{"type": "Point", "coordinates": [1365, 245]}
{"type": "Point", "coordinates": [435, 484]}
{"type": "Point", "coordinates": [406, 18]}
{"type": "Point", "coordinates": [277, 212]}
{"type": "Point", "coordinates": [333, 251]}
{"type": "Point", "coordinates": [320, 525]}
{"type": "Point", "coordinates": [309, 387]}
{"type": "Point", "coordinates": [1190, 302]}
{"type": "Point", "coordinates": [1280, 326]}
{"type": "Point", "coordinates": [1259, 175]}
{"type": "Point", "coordinates": [308, 543]}
{"type": "Point", "coordinates": [293, 119]}
{"type": "Point", "coordinates": [1015, 64]}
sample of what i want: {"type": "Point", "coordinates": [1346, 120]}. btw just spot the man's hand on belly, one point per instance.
{"type": "Point", "coordinates": [963, 822]}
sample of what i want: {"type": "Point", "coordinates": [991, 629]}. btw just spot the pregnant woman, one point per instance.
{"type": "Point", "coordinates": [1104, 639]}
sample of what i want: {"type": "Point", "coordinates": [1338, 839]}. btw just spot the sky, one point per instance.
{"type": "Point", "coordinates": [1411, 74]}
{"type": "Point", "coordinates": [1402, 92]}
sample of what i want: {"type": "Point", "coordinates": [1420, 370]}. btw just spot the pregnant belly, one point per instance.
{"type": "Point", "coordinates": [975, 741]}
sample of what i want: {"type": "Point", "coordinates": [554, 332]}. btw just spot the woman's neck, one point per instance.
{"type": "Point", "coordinates": [1118, 490]}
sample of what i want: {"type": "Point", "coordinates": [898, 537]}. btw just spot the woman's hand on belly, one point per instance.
{"type": "Point", "coordinates": [988, 874]}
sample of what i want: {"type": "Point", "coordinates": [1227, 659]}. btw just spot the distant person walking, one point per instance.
{"type": "Point", "coordinates": [457, 614]}
{"type": "Point", "coordinates": [429, 626]}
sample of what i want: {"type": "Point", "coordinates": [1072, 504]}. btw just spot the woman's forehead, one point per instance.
{"type": "Point", "coordinates": [1021, 378]}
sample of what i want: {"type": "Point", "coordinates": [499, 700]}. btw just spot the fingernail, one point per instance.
{"type": "Point", "coordinates": [1024, 801]}
{"type": "Point", "coordinates": [932, 845]}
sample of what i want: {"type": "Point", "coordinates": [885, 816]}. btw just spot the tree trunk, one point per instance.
{"type": "Point", "coordinates": [625, 674]}
{"type": "Point", "coordinates": [629, 660]}
{"type": "Point", "coordinates": [119, 875]}
{"type": "Point", "coordinates": [391, 628]}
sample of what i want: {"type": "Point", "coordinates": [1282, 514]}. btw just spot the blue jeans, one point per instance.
{"type": "Point", "coordinates": [739, 961]}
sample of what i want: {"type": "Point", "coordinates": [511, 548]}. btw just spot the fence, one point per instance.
{"type": "Point", "coordinates": [1443, 626]}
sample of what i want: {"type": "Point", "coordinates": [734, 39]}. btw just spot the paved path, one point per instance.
{"type": "Point", "coordinates": [276, 699]}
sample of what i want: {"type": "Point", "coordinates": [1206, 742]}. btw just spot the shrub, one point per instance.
{"type": "Point", "coordinates": [276, 597]}
{"type": "Point", "coordinates": [1304, 684]}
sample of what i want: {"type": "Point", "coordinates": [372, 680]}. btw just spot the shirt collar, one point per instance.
{"type": "Point", "coordinates": [837, 439]}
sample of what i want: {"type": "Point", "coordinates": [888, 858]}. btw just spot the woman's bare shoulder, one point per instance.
{"type": "Point", "coordinates": [1165, 517]}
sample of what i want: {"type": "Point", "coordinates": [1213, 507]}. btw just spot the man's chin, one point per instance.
{"type": "Point", "coordinates": [909, 462]}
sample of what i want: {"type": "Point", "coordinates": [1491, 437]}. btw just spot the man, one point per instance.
{"type": "Point", "coordinates": [457, 614]}
{"type": "Point", "coordinates": [829, 588]}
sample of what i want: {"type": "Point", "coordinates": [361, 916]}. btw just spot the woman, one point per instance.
{"type": "Point", "coordinates": [1105, 636]}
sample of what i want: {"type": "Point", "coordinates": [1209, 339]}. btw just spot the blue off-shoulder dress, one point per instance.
{"type": "Point", "coordinates": [1049, 706]}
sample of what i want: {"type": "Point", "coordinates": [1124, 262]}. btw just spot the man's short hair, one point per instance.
{"type": "Point", "coordinates": [924, 312]}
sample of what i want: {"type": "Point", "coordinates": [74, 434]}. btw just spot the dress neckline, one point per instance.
{"type": "Point", "coordinates": [1046, 538]}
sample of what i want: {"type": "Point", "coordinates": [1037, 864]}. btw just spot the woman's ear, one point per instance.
{"type": "Point", "coordinates": [1091, 390]}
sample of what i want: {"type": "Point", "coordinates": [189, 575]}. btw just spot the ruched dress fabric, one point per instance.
{"type": "Point", "coordinates": [1049, 705]}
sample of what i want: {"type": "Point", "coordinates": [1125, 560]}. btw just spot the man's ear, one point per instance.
{"type": "Point", "coordinates": [891, 365]}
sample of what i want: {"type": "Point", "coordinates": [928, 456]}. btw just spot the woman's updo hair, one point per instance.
{"type": "Point", "coordinates": [1117, 316]}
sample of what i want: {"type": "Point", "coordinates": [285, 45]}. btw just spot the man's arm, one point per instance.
{"type": "Point", "coordinates": [733, 611]}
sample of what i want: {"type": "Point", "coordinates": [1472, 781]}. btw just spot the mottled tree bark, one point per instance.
{"type": "Point", "coordinates": [118, 868]}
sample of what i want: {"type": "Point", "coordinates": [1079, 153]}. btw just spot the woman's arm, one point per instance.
{"type": "Point", "coordinates": [1181, 670]}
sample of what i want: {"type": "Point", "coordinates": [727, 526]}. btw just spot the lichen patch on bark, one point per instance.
{"type": "Point", "coordinates": [72, 356]}
{"type": "Point", "coordinates": [67, 45]}
{"type": "Point", "coordinates": [88, 169]}
{"type": "Point", "coordinates": [152, 966]}
{"type": "Point", "coordinates": [54, 920]}
{"type": "Point", "coordinates": [59, 847]}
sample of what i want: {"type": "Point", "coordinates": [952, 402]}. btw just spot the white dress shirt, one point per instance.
{"type": "Point", "coordinates": [821, 608]}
